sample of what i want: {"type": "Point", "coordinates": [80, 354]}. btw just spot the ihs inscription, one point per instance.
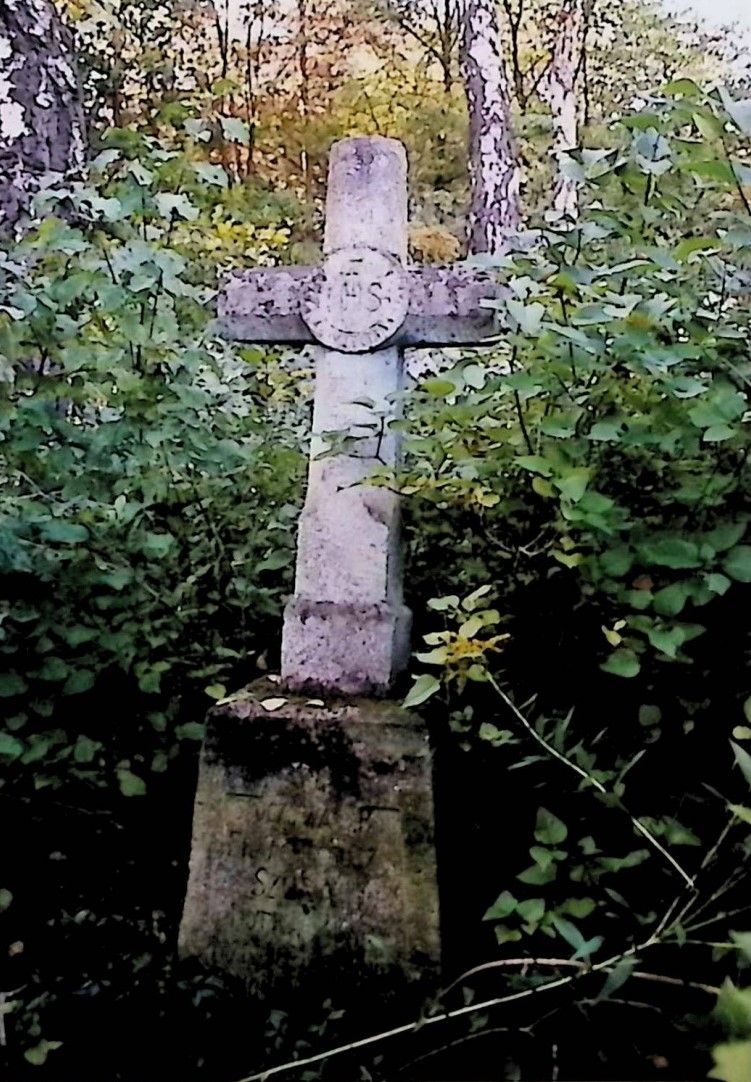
{"type": "Point", "coordinates": [357, 301]}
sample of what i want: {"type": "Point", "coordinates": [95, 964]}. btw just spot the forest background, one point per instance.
{"type": "Point", "coordinates": [581, 487]}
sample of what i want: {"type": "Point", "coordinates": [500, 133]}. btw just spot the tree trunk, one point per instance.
{"type": "Point", "coordinates": [495, 212]}
{"type": "Point", "coordinates": [303, 101]}
{"type": "Point", "coordinates": [41, 123]}
{"type": "Point", "coordinates": [558, 89]}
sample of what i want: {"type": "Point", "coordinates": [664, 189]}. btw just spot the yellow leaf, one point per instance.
{"type": "Point", "coordinates": [434, 657]}
{"type": "Point", "coordinates": [732, 1062]}
{"type": "Point", "coordinates": [542, 487]}
{"type": "Point", "coordinates": [741, 812]}
{"type": "Point", "coordinates": [572, 559]}
{"type": "Point", "coordinates": [470, 627]}
{"type": "Point", "coordinates": [612, 636]}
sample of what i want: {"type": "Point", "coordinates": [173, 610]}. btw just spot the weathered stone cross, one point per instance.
{"type": "Point", "coordinates": [347, 628]}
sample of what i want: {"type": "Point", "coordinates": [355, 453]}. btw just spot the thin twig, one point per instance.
{"type": "Point", "coordinates": [647, 834]}
{"type": "Point", "coordinates": [547, 986]}
{"type": "Point", "coordinates": [410, 1027]}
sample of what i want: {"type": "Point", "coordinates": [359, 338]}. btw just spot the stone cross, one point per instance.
{"type": "Point", "coordinates": [347, 629]}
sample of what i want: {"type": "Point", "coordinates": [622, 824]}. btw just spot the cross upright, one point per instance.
{"type": "Point", "coordinates": [346, 628]}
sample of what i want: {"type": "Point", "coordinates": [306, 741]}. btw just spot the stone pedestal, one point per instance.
{"type": "Point", "coordinates": [313, 856]}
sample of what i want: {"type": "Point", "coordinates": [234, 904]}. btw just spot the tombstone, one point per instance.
{"type": "Point", "coordinates": [313, 839]}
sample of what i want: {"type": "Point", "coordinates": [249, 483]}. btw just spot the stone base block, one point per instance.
{"type": "Point", "coordinates": [359, 650]}
{"type": "Point", "coordinates": [313, 860]}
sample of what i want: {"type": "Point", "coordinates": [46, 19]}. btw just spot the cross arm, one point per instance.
{"type": "Point", "coordinates": [448, 306]}
{"type": "Point", "coordinates": [264, 305]}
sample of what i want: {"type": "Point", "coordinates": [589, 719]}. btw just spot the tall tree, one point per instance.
{"type": "Point", "coordinates": [558, 89]}
{"type": "Point", "coordinates": [433, 25]}
{"type": "Point", "coordinates": [41, 122]}
{"type": "Point", "coordinates": [495, 211]}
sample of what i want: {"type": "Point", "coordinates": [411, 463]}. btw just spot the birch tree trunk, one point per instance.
{"type": "Point", "coordinates": [558, 90]}
{"type": "Point", "coordinates": [41, 123]}
{"type": "Point", "coordinates": [495, 212]}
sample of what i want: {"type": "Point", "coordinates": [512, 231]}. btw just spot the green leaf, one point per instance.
{"type": "Point", "coordinates": [672, 552]}
{"type": "Point", "coordinates": [737, 563]}
{"type": "Point", "coordinates": [506, 935]}
{"type": "Point", "coordinates": [493, 734]}
{"type": "Point", "coordinates": [474, 375]}
{"type": "Point", "coordinates": [535, 464]}
{"type": "Point", "coordinates": [579, 908]}
{"type": "Point", "coordinates": [170, 204]}
{"type": "Point", "coordinates": [531, 910]}
{"type": "Point", "coordinates": [191, 730]}
{"type": "Point", "coordinates": [443, 604]}
{"type": "Point", "coordinates": [10, 746]}
{"type": "Point", "coordinates": [569, 932]}
{"type": "Point", "coordinates": [85, 749]}
{"type": "Point", "coordinates": [573, 486]}
{"type": "Point", "coordinates": [12, 684]}
{"type": "Point", "coordinates": [157, 545]}
{"type": "Point", "coordinates": [527, 317]}
{"type": "Point", "coordinates": [6, 899]}
{"type": "Point", "coordinates": [211, 174]}
{"type": "Point", "coordinates": [422, 689]}
{"type": "Point", "coordinates": [718, 584]}
{"type": "Point", "coordinates": [712, 169]}
{"type": "Point", "coordinates": [589, 948]}
{"type": "Point", "coordinates": [469, 603]}
{"type": "Point", "coordinates": [502, 907]}
{"type": "Point", "coordinates": [79, 681]}
{"type": "Point", "coordinates": [216, 691]}
{"type": "Point", "coordinates": [744, 814]}
{"type": "Point", "coordinates": [743, 759]}
{"type": "Point", "coordinates": [733, 1009]}
{"type": "Point", "coordinates": [718, 433]}
{"type": "Point", "coordinates": [549, 829]}
{"type": "Point", "coordinates": [742, 940]}
{"type": "Point", "coordinates": [38, 1054]}
{"type": "Point", "coordinates": [690, 245]}
{"type": "Point", "coordinates": [235, 130]}
{"type": "Point", "coordinates": [617, 561]}
{"type": "Point", "coordinates": [685, 87]}
{"type": "Point", "coordinates": [649, 714]}
{"type": "Point", "coordinates": [54, 669]}
{"type": "Point", "coordinates": [726, 535]}
{"type": "Point", "coordinates": [130, 783]}
{"type": "Point", "coordinates": [441, 388]}
{"type": "Point", "coordinates": [671, 599]}
{"type": "Point", "coordinates": [535, 876]}
{"type": "Point", "coordinates": [606, 431]}
{"type": "Point", "coordinates": [67, 533]}
{"type": "Point", "coordinates": [617, 977]}
{"type": "Point", "coordinates": [622, 662]}
{"type": "Point", "coordinates": [668, 640]}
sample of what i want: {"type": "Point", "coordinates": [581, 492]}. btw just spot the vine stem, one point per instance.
{"type": "Point", "coordinates": [548, 986]}
{"type": "Point", "coordinates": [639, 826]}
{"type": "Point", "coordinates": [409, 1027]}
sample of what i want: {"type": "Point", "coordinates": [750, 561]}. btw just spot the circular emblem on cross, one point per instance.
{"type": "Point", "coordinates": [357, 300]}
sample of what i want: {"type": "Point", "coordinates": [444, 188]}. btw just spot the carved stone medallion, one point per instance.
{"type": "Point", "coordinates": [357, 301]}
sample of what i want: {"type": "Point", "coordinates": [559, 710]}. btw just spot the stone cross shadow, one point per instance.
{"type": "Point", "coordinates": [347, 629]}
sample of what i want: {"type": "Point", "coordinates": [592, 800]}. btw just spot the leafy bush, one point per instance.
{"type": "Point", "coordinates": [589, 484]}
{"type": "Point", "coordinates": [150, 478]}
